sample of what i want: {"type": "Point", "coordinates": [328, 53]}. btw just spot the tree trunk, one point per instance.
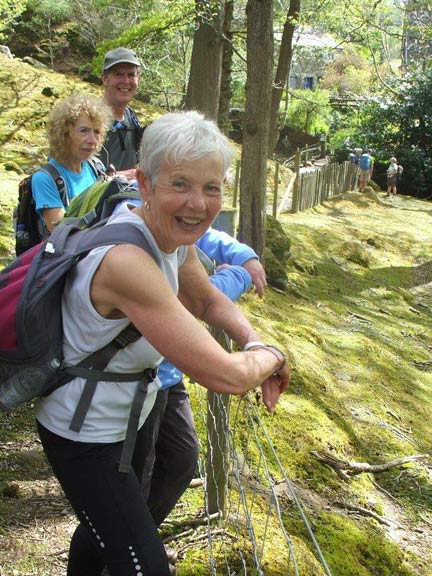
{"type": "Point", "coordinates": [227, 54]}
{"type": "Point", "coordinates": [206, 62]}
{"type": "Point", "coordinates": [256, 125]}
{"type": "Point", "coordinates": [283, 70]}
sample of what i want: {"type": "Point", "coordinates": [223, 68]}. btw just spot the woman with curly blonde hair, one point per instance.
{"type": "Point", "coordinates": [76, 128]}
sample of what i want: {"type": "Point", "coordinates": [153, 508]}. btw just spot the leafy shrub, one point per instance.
{"type": "Point", "coordinates": [309, 111]}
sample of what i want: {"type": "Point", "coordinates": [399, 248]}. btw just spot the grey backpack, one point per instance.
{"type": "Point", "coordinates": [31, 330]}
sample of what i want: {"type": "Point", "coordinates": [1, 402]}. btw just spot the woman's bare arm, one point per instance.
{"type": "Point", "coordinates": [52, 217]}
{"type": "Point", "coordinates": [129, 283]}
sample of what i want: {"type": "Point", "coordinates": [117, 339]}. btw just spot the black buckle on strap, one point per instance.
{"type": "Point", "coordinates": [127, 336]}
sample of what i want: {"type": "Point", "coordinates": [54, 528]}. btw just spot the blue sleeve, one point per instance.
{"type": "Point", "coordinates": [45, 191]}
{"type": "Point", "coordinates": [225, 249]}
{"type": "Point", "coordinates": [233, 281]}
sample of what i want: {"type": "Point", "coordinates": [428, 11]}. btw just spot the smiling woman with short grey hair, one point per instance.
{"type": "Point", "coordinates": [117, 285]}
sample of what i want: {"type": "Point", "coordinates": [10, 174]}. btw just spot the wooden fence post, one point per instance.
{"type": "Point", "coordinates": [217, 462]}
{"type": "Point", "coordinates": [218, 406]}
{"type": "Point", "coordinates": [295, 198]}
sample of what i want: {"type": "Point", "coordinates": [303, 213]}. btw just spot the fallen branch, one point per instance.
{"type": "Point", "coordinates": [196, 521]}
{"type": "Point", "coordinates": [178, 536]}
{"type": "Point", "coordinates": [367, 512]}
{"type": "Point", "coordinates": [345, 469]}
{"type": "Point", "coordinates": [425, 520]}
{"type": "Point", "coordinates": [360, 317]}
{"type": "Point", "coordinates": [384, 311]}
{"type": "Point", "coordinates": [205, 536]}
{"type": "Point", "coordinates": [384, 491]}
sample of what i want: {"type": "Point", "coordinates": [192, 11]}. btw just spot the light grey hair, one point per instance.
{"type": "Point", "coordinates": [181, 136]}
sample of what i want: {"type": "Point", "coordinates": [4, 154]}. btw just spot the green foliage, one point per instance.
{"type": "Point", "coordinates": [53, 10]}
{"type": "Point", "coordinates": [162, 37]}
{"type": "Point", "coordinates": [342, 142]}
{"type": "Point", "coordinates": [418, 28]}
{"type": "Point", "coordinates": [350, 73]}
{"type": "Point", "coordinates": [309, 111]}
{"type": "Point", "coordinates": [41, 31]}
{"type": "Point", "coordinates": [9, 10]}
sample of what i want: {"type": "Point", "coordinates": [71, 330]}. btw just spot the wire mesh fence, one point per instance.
{"type": "Point", "coordinates": [248, 499]}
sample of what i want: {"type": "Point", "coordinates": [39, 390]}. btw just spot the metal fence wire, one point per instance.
{"type": "Point", "coordinates": [248, 496]}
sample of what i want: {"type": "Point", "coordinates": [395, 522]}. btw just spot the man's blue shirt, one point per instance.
{"type": "Point", "coordinates": [233, 281]}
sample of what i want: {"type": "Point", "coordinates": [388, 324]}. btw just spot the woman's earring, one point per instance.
{"type": "Point", "coordinates": [146, 206]}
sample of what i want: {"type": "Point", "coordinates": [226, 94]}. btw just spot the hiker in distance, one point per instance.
{"type": "Point", "coordinates": [366, 165]}
{"type": "Point", "coordinates": [182, 167]}
{"type": "Point", "coordinates": [120, 78]}
{"type": "Point", "coordinates": [393, 171]}
{"type": "Point", "coordinates": [76, 128]}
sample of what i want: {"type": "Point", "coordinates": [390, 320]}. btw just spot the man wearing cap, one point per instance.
{"type": "Point", "coordinates": [120, 77]}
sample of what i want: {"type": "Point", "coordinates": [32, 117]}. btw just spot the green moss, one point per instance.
{"type": "Point", "coordinates": [275, 271]}
{"type": "Point", "coordinates": [361, 550]}
{"type": "Point", "coordinates": [277, 240]}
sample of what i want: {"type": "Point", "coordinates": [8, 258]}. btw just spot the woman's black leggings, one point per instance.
{"type": "Point", "coordinates": [116, 528]}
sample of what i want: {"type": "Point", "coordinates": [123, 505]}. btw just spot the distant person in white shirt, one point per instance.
{"type": "Point", "coordinates": [392, 172]}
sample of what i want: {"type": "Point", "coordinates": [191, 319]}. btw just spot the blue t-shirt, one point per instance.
{"type": "Point", "coordinates": [45, 191]}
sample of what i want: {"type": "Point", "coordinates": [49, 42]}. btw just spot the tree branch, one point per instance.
{"type": "Point", "coordinates": [346, 469]}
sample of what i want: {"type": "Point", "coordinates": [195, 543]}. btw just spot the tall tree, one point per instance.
{"type": "Point", "coordinates": [227, 53]}
{"type": "Point", "coordinates": [206, 62]}
{"type": "Point", "coordinates": [417, 35]}
{"type": "Point", "coordinates": [283, 70]}
{"type": "Point", "coordinates": [256, 125]}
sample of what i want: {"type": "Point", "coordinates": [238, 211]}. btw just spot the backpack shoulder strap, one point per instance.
{"type": "Point", "coordinates": [58, 179]}
{"type": "Point", "coordinates": [138, 130]}
{"type": "Point", "coordinates": [134, 118]}
{"type": "Point", "coordinates": [92, 368]}
{"type": "Point", "coordinates": [97, 167]}
{"type": "Point", "coordinates": [80, 242]}
{"type": "Point", "coordinates": [116, 233]}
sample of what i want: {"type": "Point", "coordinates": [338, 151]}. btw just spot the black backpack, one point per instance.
{"type": "Point", "coordinates": [28, 231]}
{"type": "Point", "coordinates": [31, 329]}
